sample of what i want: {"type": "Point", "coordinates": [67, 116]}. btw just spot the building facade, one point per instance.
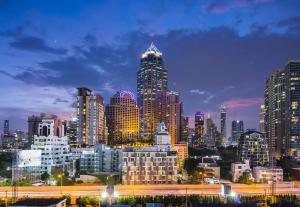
{"type": "Point", "coordinates": [253, 146]}
{"type": "Point", "coordinates": [238, 168]}
{"type": "Point", "coordinates": [282, 110]}
{"type": "Point", "coordinates": [237, 128]}
{"type": "Point", "coordinates": [147, 166]}
{"type": "Point", "coordinates": [262, 119]}
{"type": "Point", "coordinates": [223, 112]}
{"type": "Point", "coordinates": [199, 129]}
{"type": "Point", "coordinates": [267, 175]}
{"type": "Point", "coordinates": [122, 118]}
{"type": "Point", "coordinates": [151, 78]}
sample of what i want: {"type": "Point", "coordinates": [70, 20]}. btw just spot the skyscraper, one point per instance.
{"type": "Point", "coordinates": [262, 119]}
{"type": "Point", "coordinates": [212, 132]}
{"type": "Point", "coordinates": [6, 128]}
{"type": "Point", "coordinates": [151, 78]}
{"type": "Point", "coordinates": [90, 118]}
{"type": "Point", "coordinates": [237, 128]}
{"type": "Point", "coordinates": [185, 129]}
{"type": "Point", "coordinates": [199, 128]}
{"type": "Point", "coordinates": [223, 123]}
{"type": "Point", "coordinates": [122, 115]}
{"type": "Point", "coordinates": [82, 114]}
{"type": "Point", "coordinates": [282, 110]}
{"type": "Point", "coordinates": [168, 109]}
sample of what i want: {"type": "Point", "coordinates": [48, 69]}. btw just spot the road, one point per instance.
{"type": "Point", "coordinates": [123, 190]}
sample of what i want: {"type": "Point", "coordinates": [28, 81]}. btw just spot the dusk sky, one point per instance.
{"type": "Point", "coordinates": [216, 52]}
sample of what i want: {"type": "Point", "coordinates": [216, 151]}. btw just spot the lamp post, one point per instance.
{"type": "Point", "coordinates": [60, 176]}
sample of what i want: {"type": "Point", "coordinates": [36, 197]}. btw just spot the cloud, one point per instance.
{"type": "Point", "coordinates": [197, 91]}
{"type": "Point", "coordinates": [243, 103]}
{"type": "Point", "coordinates": [35, 44]}
{"type": "Point", "coordinates": [60, 100]}
{"type": "Point", "coordinates": [220, 6]}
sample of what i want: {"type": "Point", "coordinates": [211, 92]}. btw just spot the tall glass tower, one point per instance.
{"type": "Point", "coordinates": [223, 123]}
{"type": "Point", "coordinates": [151, 78]}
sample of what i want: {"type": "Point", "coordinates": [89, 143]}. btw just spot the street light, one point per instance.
{"type": "Point", "coordinates": [60, 176]}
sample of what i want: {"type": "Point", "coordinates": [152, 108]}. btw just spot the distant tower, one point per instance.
{"type": "Point", "coordinates": [199, 128]}
{"type": "Point", "coordinates": [6, 128]}
{"type": "Point", "coordinates": [223, 111]}
{"type": "Point", "coordinates": [237, 128]}
{"type": "Point", "coordinates": [262, 119]}
{"type": "Point", "coordinates": [151, 78]}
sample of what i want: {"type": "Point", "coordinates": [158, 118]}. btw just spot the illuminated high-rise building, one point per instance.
{"type": "Point", "coordinates": [262, 119]}
{"type": "Point", "coordinates": [123, 118]}
{"type": "Point", "coordinates": [199, 128]}
{"type": "Point", "coordinates": [184, 129]}
{"type": "Point", "coordinates": [237, 128]}
{"type": "Point", "coordinates": [82, 114]}
{"type": "Point", "coordinates": [223, 123]}
{"type": "Point", "coordinates": [90, 118]}
{"type": "Point", "coordinates": [151, 78]}
{"type": "Point", "coordinates": [212, 132]}
{"type": "Point", "coordinates": [168, 109]}
{"type": "Point", "coordinates": [282, 110]}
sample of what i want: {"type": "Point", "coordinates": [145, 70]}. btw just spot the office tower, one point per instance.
{"type": "Point", "coordinates": [6, 128]}
{"type": "Point", "coordinates": [212, 132]}
{"type": "Point", "coordinates": [122, 118]}
{"type": "Point", "coordinates": [253, 146]}
{"type": "Point", "coordinates": [199, 128]}
{"type": "Point", "coordinates": [262, 119]}
{"type": "Point", "coordinates": [169, 109]}
{"type": "Point", "coordinates": [71, 132]}
{"type": "Point", "coordinates": [96, 120]}
{"type": "Point", "coordinates": [282, 106]}
{"type": "Point", "coordinates": [151, 78]}
{"type": "Point", "coordinates": [90, 118]}
{"type": "Point", "coordinates": [82, 114]}
{"type": "Point", "coordinates": [185, 129]}
{"type": "Point", "coordinates": [223, 123]}
{"type": "Point", "coordinates": [237, 128]}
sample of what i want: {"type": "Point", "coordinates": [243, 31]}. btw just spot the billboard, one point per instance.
{"type": "Point", "coordinates": [29, 158]}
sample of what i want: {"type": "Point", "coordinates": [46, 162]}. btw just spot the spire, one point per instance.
{"type": "Point", "coordinates": [152, 50]}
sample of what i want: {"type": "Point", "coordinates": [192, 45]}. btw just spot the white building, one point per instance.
{"type": "Point", "coordinates": [238, 168]}
{"type": "Point", "coordinates": [146, 166]}
{"type": "Point", "coordinates": [55, 150]}
{"type": "Point", "coordinates": [28, 164]}
{"type": "Point", "coordinates": [265, 174]}
{"type": "Point", "coordinates": [101, 159]}
{"type": "Point", "coordinates": [162, 138]}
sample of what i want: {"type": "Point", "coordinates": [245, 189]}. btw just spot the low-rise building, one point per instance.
{"type": "Point", "coordinates": [149, 166]}
{"type": "Point", "coordinates": [266, 174]}
{"type": "Point", "coordinates": [55, 150]}
{"type": "Point", "coordinates": [182, 153]}
{"type": "Point", "coordinates": [40, 202]}
{"type": "Point", "coordinates": [238, 168]}
{"type": "Point", "coordinates": [101, 159]}
{"type": "Point", "coordinates": [28, 164]}
{"type": "Point", "coordinates": [209, 164]}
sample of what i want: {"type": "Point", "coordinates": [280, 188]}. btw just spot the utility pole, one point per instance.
{"type": "Point", "coordinates": [186, 201]}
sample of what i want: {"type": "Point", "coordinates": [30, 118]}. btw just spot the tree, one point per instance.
{"type": "Point", "coordinates": [198, 176]}
{"type": "Point", "coordinates": [45, 176]}
{"type": "Point", "coordinates": [287, 163]}
{"type": "Point", "coordinates": [246, 178]}
{"type": "Point", "coordinates": [190, 165]}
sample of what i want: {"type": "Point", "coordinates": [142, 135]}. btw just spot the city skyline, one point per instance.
{"type": "Point", "coordinates": [50, 60]}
